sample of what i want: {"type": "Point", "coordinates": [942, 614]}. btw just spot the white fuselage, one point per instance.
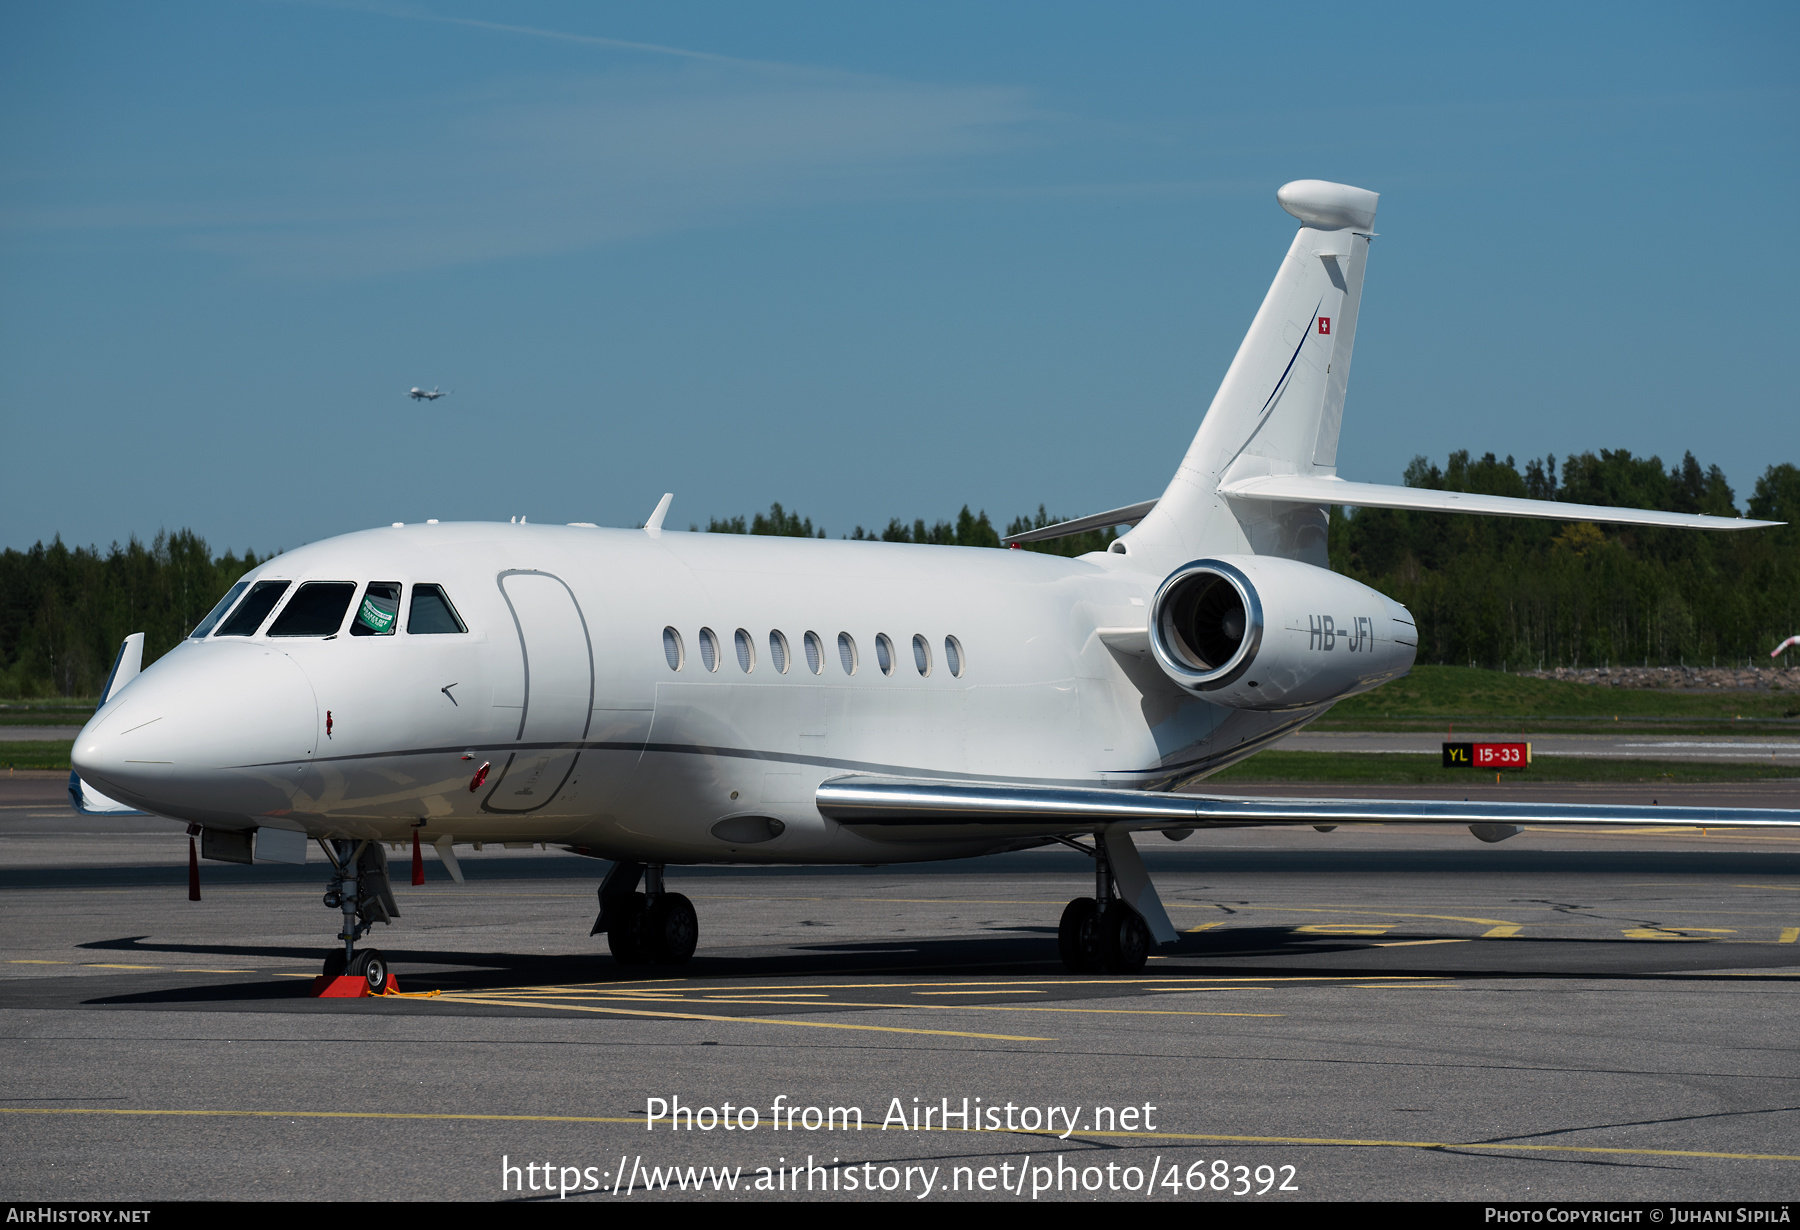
{"type": "Point", "coordinates": [562, 685]}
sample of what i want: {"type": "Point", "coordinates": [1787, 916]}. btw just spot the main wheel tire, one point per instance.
{"type": "Point", "coordinates": [1126, 939]}
{"type": "Point", "coordinates": [671, 929]}
{"type": "Point", "coordinates": [626, 934]}
{"type": "Point", "coordinates": [334, 963]}
{"type": "Point", "coordinates": [372, 968]}
{"type": "Point", "coordinates": [1078, 936]}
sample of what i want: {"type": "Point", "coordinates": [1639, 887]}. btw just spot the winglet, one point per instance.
{"type": "Point", "coordinates": [653, 526]}
{"type": "Point", "coordinates": [126, 666]}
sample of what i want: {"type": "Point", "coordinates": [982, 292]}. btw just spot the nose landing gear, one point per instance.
{"type": "Point", "coordinates": [1101, 934]}
{"type": "Point", "coordinates": [654, 926]}
{"type": "Point", "coordinates": [359, 888]}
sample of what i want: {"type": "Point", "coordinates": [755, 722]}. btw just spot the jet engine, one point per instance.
{"type": "Point", "coordinates": [1260, 632]}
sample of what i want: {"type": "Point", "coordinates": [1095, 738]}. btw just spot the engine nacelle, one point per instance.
{"type": "Point", "coordinates": [1260, 632]}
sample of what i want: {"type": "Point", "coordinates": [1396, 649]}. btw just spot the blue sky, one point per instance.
{"type": "Point", "coordinates": [867, 261]}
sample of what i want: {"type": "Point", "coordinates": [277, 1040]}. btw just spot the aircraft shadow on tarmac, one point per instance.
{"type": "Point", "coordinates": [1246, 952]}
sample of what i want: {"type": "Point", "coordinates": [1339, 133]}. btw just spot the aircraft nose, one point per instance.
{"type": "Point", "coordinates": [213, 731]}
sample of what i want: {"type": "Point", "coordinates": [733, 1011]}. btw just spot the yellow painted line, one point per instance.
{"type": "Point", "coordinates": [1786, 888]}
{"type": "Point", "coordinates": [1304, 909]}
{"type": "Point", "coordinates": [27, 962]}
{"type": "Point", "coordinates": [995, 991]}
{"type": "Point", "coordinates": [279, 974]}
{"type": "Point", "coordinates": [1789, 935]}
{"type": "Point", "coordinates": [739, 1020]}
{"type": "Point", "coordinates": [1413, 943]}
{"type": "Point", "coordinates": [309, 1114]}
{"type": "Point", "coordinates": [102, 965]}
{"type": "Point", "coordinates": [1340, 1142]}
{"type": "Point", "coordinates": [603, 988]}
{"type": "Point", "coordinates": [1342, 929]}
{"type": "Point", "coordinates": [214, 971]}
{"type": "Point", "coordinates": [1409, 986]}
{"type": "Point", "coordinates": [1500, 933]}
{"type": "Point", "coordinates": [1205, 927]}
{"type": "Point", "coordinates": [471, 998]}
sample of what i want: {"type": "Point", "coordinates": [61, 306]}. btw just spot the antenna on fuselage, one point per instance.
{"type": "Point", "coordinates": [653, 526]}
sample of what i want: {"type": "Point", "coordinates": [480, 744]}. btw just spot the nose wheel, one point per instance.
{"type": "Point", "coordinates": [359, 890]}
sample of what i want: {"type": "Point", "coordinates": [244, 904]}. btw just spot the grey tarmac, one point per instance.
{"type": "Point", "coordinates": [1394, 1014]}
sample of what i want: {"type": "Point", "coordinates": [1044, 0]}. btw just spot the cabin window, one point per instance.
{"type": "Point", "coordinates": [709, 649]}
{"type": "Point", "coordinates": [884, 653]}
{"type": "Point", "coordinates": [779, 656]}
{"type": "Point", "coordinates": [379, 614]}
{"type": "Point", "coordinates": [953, 656]}
{"type": "Point", "coordinates": [815, 653]}
{"type": "Point", "coordinates": [673, 649]}
{"type": "Point", "coordinates": [847, 653]}
{"type": "Point", "coordinates": [922, 654]}
{"type": "Point", "coordinates": [218, 612]}
{"type": "Point", "coordinates": [431, 613]}
{"type": "Point", "coordinates": [253, 610]}
{"type": "Point", "coordinates": [316, 609]}
{"type": "Point", "coordinates": [746, 651]}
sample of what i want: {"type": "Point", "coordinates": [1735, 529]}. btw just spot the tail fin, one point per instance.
{"type": "Point", "coordinates": [1280, 406]}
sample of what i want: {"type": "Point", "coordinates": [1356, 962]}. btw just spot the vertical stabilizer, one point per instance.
{"type": "Point", "coordinates": [1280, 407]}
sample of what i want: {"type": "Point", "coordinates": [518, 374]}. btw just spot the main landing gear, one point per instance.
{"type": "Point", "coordinates": [1101, 933]}
{"type": "Point", "coordinates": [651, 927]}
{"type": "Point", "coordinates": [359, 888]}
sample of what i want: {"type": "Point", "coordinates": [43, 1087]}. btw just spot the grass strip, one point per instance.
{"type": "Point", "coordinates": [1381, 768]}
{"type": "Point", "coordinates": [47, 754]}
{"type": "Point", "coordinates": [1461, 691]}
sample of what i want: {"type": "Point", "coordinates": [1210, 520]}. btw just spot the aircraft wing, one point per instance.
{"type": "Point", "coordinates": [1049, 811]}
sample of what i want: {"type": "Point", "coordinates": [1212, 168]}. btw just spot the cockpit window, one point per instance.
{"type": "Point", "coordinates": [431, 612]}
{"type": "Point", "coordinates": [316, 609]}
{"type": "Point", "coordinates": [379, 614]}
{"type": "Point", "coordinates": [218, 612]}
{"type": "Point", "coordinates": [253, 610]}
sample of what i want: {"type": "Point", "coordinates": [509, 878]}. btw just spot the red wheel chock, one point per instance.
{"type": "Point", "coordinates": [345, 987]}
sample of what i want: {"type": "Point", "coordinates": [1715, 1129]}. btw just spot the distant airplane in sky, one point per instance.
{"type": "Point", "coordinates": [431, 394]}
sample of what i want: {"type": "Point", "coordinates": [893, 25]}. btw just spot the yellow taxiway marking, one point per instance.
{"type": "Point", "coordinates": [1205, 927]}
{"type": "Point", "coordinates": [1786, 888]}
{"type": "Point", "coordinates": [1311, 909]}
{"type": "Point", "coordinates": [607, 988]}
{"type": "Point", "coordinates": [1500, 933]}
{"type": "Point", "coordinates": [23, 961]}
{"type": "Point", "coordinates": [1411, 943]}
{"type": "Point", "coordinates": [1675, 933]}
{"type": "Point", "coordinates": [1789, 935]}
{"type": "Point", "coordinates": [995, 991]}
{"type": "Point", "coordinates": [1408, 986]}
{"type": "Point", "coordinates": [595, 999]}
{"type": "Point", "coordinates": [103, 965]}
{"type": "Point", "coordinates": [734, 1020]}
{"type": "Point", "coordinates": [1210, 1137]}
{"type": "Point", "coordinates": [213, 971]}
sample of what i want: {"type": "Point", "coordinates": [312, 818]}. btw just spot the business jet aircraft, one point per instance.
{"type": "Point", "coordinates": [654, 698]}
{"type": "Point", "coordinates": [431, 394]}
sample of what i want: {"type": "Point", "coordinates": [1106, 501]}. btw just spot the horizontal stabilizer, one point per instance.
{"type": "Point", "coordinates": [1049, 811]}
{"type": "Point", "coordinates": [1131, 514]}
{"type": "Point", "coordinates": [1308, 489]}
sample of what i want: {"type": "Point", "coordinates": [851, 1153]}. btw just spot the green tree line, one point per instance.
{"type": "Point", "coordinates": [1485, 590]}
{"type": "Point", "coordinates": [1494, 591]}
{"type": "Point", "coordinates": [63, 611]}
